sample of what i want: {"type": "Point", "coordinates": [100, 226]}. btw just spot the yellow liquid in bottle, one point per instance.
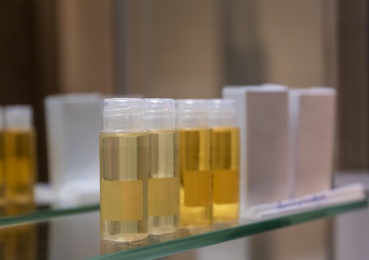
{"type": "Point", "coordinates": [20, 168]}
{"type": "Point", "coordinates": [196, 179]}
{"type": "Point", "coordinates": [2, 176]}
{"type": "Point", "coordinates": [123, 186]}
{"type": "Point", "coordinates": [163, 192]}
{"type": "Point", "coordinates": [225, 168]}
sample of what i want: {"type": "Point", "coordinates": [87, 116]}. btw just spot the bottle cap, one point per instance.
{"type": "Point", "coordinates": [222, 112]}
{"type": "Point", "coordinates": [159, 113]}
{"type": "Point", "coordinates": [1, 118]}
{"type": "Point", "coordinates": [191, 113]}
{"type": "Point", "coordinates": [122, 114]}
{"type": "Point", "coordinates": [18, 117]}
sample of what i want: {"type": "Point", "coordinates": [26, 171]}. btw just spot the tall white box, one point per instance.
{"type": "Point", "coordinates": [73, 124]}
{"type": "Point", "coordinates": [312, 124]}
{"type": "Point", "coordinates": [262, 115]}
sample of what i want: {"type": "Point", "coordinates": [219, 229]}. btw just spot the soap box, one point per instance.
{"type": "Point", "coordinates": [262, 115]}
{"type": "Point", "coordinates": [312, 124]}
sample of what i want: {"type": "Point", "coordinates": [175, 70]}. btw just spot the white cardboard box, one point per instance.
{"type": "Point", "coordinates": [312, 123]}
{"type": "Point", "coordinates": [262, 115]}
{"type": "Point", "coordinates": [73, 124]}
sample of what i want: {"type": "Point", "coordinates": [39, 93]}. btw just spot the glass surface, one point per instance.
{"type": "Point", "coordinates": [46, 206]}
{"type": "Point", "coordinates": [44, 214]}
{"type": "Point", "coordinates": [78, 236]}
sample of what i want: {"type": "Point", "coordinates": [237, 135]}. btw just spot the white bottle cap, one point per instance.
{"type": "Point", "coordinates": [222, 112]}
{"type": "Point", "coordinates": [1, 118]}
{"type": "Point", "coordinates": [159, 113]}
{"type": "Point", "coordinates": [191, 113]}
{"type": "Point", "coordinates": [122, 115]}
{"type": "Point", "coordinates": [18, 117]}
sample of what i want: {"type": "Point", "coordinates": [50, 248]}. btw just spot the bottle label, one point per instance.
{"type": "Point", "coordinates": [121, 200]}
{"type": "Point", "coordinates": [163, 196]}
{"type": "Point", "coordinates": [197, 188]}
{"type": "Point", "coordinates": [226, 186]}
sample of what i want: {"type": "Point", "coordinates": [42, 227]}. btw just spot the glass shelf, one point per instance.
{"type": "Point", "coordinates": [44, 207]}
{"type": "Point", "coordinates": [77, 236]}
{"type": "Point", "coordinates": [44, 214]}
{"type": "Point", "coordinates": [184, 240]}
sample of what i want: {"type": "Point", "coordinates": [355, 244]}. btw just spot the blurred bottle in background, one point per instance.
{"type": "Point", "coordinates": [20, 158]}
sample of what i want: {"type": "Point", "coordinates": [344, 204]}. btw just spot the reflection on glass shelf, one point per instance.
{"type": "Point", "coordinates": [159, 246]}
{"type": "Point", "coordinates": [44, 214]}
{"type": "Point", "coordinates": [77, 236]}
{"type": "Point", "coordinates": [12, 238]}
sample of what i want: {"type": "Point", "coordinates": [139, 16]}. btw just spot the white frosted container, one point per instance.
{"type": "Point", "coordinates": [262, 115]}
{"type": "Point", "coordinates": [73, 124]}
{"type": "Point", "coordinates": [312, 123]}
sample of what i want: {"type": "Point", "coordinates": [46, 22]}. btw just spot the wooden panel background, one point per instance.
{"type": "Point", "coordinates": [353, 102]}
{"type": "Point", "coordinates": [76, 46]}
{"type": "Point", "coordinates": [27, 61]}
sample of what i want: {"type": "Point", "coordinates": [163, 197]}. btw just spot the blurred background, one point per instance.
{"type": "Point", "coordinates": [191, 49]}
{"type": "Point", "coordinates": [187, 49]}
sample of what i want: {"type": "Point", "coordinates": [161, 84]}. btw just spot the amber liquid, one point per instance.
{"type": "Point", "coordinates": [196, 179]}
{"type": "Point", "coordinates": [123, 186]}
{"type": "Point", "coordinates": [2, 175]}
{"type": "Point", "coordinates": [163, 192]}
{"type": "Point", "coordinates": [20, 165]}
{"type": "Point", "coordinates": [225, 168]}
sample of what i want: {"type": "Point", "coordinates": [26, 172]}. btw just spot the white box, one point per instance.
{"type": "Point", "coordinates": [73, 124]}
{"type": "Point", "coordinates": [262, 115]}
{"type": "Point", "coordinates": [312, 124]}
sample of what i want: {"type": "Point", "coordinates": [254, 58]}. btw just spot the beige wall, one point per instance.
{"type": "Point", "coordinates": [182, 50]}
{"type": "Point", "coordinates": [85, 45]}
{"type": "Point", "coordinates": [292, 41]}
{"type": "Point", "coordinates": [190, 48]}
{"type": "Point", "coordinates": [287, 41]}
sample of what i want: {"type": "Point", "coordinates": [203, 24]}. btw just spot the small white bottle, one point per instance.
{"type": "Point", "coordinates": [123, 171]}
{"type": "Point", "coordinates": [163, 186]}
{"type": "Point", "coordinates": [225, 161]}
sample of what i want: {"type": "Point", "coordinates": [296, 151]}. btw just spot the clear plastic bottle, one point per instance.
{"type": "Point", "coordinates": [123, 171]}
{"type": "Point", "coordinates": [163, 187]}
{"type": "Point", "coordinates": [195, 172]}
{"type": "Point", "coordinates": [2, 164]}
{"type": "Point", "coordinates": [225, 152]}
{"type": "Point", "coordinates": [20, 158]}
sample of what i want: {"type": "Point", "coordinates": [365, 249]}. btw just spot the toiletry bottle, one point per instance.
{"type": "Point", "coordinates": [163, 187]}
{"type": "Point", "coordinates": [123, 171]}
{"type": "Point", "coordinates": [2, 165]}
{"type": "Point", "coordinates": [195, 173]}
{"type": "Point", "coordinates": [225, 150]}
{"type": "Point", "coordinates": [20, 158]}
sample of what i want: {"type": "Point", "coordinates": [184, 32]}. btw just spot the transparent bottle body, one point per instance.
{"type": "Point", "coordinates": [196, 179]}
{"type": "Point", "coordinates": [2, 174]}
{"type": "Point", "coordinates": [20, 170]}
{"type": "Point", "coordinates": [123, 186]}
{"type": "Point", "coordinates": [225, 169]}
{"type": "Point", "coordinates": [163, 187]}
